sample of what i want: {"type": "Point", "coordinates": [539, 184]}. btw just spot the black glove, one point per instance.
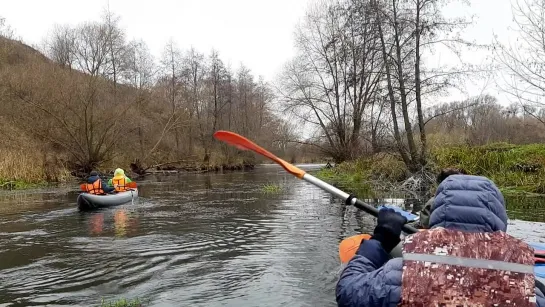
{"type": "Point", "coordinates": [388, 228]}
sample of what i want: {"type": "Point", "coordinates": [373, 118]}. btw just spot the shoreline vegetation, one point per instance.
{"type": "Point", "coordinates": [518, 170]}
{"type": "Point", "coordinates": [122, 303]}
{"type": "Point", "coordinates": [18, 181]}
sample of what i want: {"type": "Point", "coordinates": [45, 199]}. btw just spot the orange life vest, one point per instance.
{"type": "Point", "coordinates": [444, 267]}
{"type": "Point", "coordinates": [95, 187]}
{"type": "Point", "coordinates": [120, 184]}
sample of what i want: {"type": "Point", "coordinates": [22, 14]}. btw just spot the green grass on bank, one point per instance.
{"type": "Point", "coordinates": [359, 176]}
{"type": "Point", "coordinates": [516, 169]}
{"type": "Point", "coordinates": [271, 188]}
{"type": "Point", "coordinates": [122, 303]}
{"type": "Point", "coordinates": [19, 184]}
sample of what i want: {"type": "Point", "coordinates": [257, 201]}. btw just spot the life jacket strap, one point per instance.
{"type": "Point", "coordinates": [471, 262]}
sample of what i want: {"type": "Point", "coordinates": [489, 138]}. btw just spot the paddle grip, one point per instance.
{"type": "Point", "coordinates": [374, 212]}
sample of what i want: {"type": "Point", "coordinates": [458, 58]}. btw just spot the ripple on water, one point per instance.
{"type": "Point", "coordinates": [527, 231]}
{"type": "Point", "coordinates": [197, 240]}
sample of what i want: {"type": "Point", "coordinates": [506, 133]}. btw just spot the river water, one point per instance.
{"type": "Point", "coordinates": [190, 240]}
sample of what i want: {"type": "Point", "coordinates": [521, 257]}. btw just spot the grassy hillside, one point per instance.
{"type": "Point", "coordinates": [63, 120]}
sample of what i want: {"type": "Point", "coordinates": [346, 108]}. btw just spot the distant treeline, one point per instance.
{"type": "Point", "coordinates": [363, 80]}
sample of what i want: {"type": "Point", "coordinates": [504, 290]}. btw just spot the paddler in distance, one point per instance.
{"type": "Point", "coordinates": [95, 185]}
{"type": "Point", "coordinates": [119, 181]}
{"type": "Point", "coordinates": [464, 259]}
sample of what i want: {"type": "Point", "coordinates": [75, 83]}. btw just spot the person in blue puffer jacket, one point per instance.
{"type": "Point", "coordinates": [468, 207]}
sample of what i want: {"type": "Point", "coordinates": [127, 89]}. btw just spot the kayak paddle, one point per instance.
{"type": "Point", "coordinates": [348, 246]}
{"type": "Point", "coordinates": [243, 143]}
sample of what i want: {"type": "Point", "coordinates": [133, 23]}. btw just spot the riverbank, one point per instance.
{"type": "Point", "coordinates": [27, 168]}
{"type": "Point", "coordinates": [516, 169]}
{"type": "Point", "coordinates": [22, 173]}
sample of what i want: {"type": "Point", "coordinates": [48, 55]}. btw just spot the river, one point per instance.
{"type": "Point", "coordinates": [190, 240]}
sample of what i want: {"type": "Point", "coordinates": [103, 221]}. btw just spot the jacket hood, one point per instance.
{"type": "Point", "coordinates": [119, 172]}
{"type": "Point", "coordinates": [92, 179]}
{"type": "Point", "coordinates": [469, 203]}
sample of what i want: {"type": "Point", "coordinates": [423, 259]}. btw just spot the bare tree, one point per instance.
{"type": "Point", "coordinates": [92, 48]}
{"type": "Point", "coordinates": [409, 29]}
{"type": "Point", "coordinates": [193, 72]}
{"type": "Point", "coordinates": [244, 98]}
{"type": "Point", "coordinates": [140, 68]}
{"type": "Point", "coordinates": [335, 75]}
{"type": "Point", "coordinates": [524, 61]}
{"type": "Point", "coordinates": [75, 112]}
{"type": "Point", "coordinates": [140, 72]}
{"type": "Point", "coordinates": [172, 65]}
{"type": "Point", "coordinates": [6, 30]}
{"type": "Point", "coordinates": [209, 116]}
{"type": "Point", "coordinates": [115, 40]}
{"type": "Point", "coordinates": [61, 45]}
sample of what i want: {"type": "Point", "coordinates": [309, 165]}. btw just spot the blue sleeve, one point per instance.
{"type": "Point", "coordinates": [363, 281]}
{"type": "Point", "coordinates": [540, 298]}
{"type": "Point", "coordinates": [106, 188]}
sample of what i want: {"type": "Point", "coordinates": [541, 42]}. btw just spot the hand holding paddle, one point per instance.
{"type": "Point", "coordinates": [388, 229]}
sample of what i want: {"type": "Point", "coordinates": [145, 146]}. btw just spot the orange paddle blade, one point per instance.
{"type": "Point", "coordinates": [83, 187]}
{"type": "Point", "coordinates": [132, 185]}
{"type": "Point", "coordinates": [243, 143]}
{"type": "Point", "coordinates": [349, 246]}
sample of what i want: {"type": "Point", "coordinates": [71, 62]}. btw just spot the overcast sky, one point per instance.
{"type": "Point", "coordinates": [255, 32]}
{"type": "Point", "coordinates": [258, 33]}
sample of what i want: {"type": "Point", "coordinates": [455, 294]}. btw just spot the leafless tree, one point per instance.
{"type": "Point", "coordinates": [6, 30]}
{"type": "Point", "coordinates": [193, 72]}
{"type": "Point", "coordinates": [524, 60]}
{"type": "Point", "coordinates": [409, 29]}
{"type": "Point", "coordinates": [335, 75]}
{"type": "Point", "coordinates": [61, 45]}
{"type": "Point", "coordinates": [140, 68]}
{"type": "Point", "coordinates": [92, 48]}
{"type": "Point", "coordinates": [171, 77]}
{"type": "Point", "coordinates": [115, 41]}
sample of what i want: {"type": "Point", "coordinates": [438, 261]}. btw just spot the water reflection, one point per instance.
{"type": "Point", "coordinates": [97, 223]}
{"type": "Point", "coordinates": [526, 208]}
{"type": "Point", "coordinates": [124, 223]}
